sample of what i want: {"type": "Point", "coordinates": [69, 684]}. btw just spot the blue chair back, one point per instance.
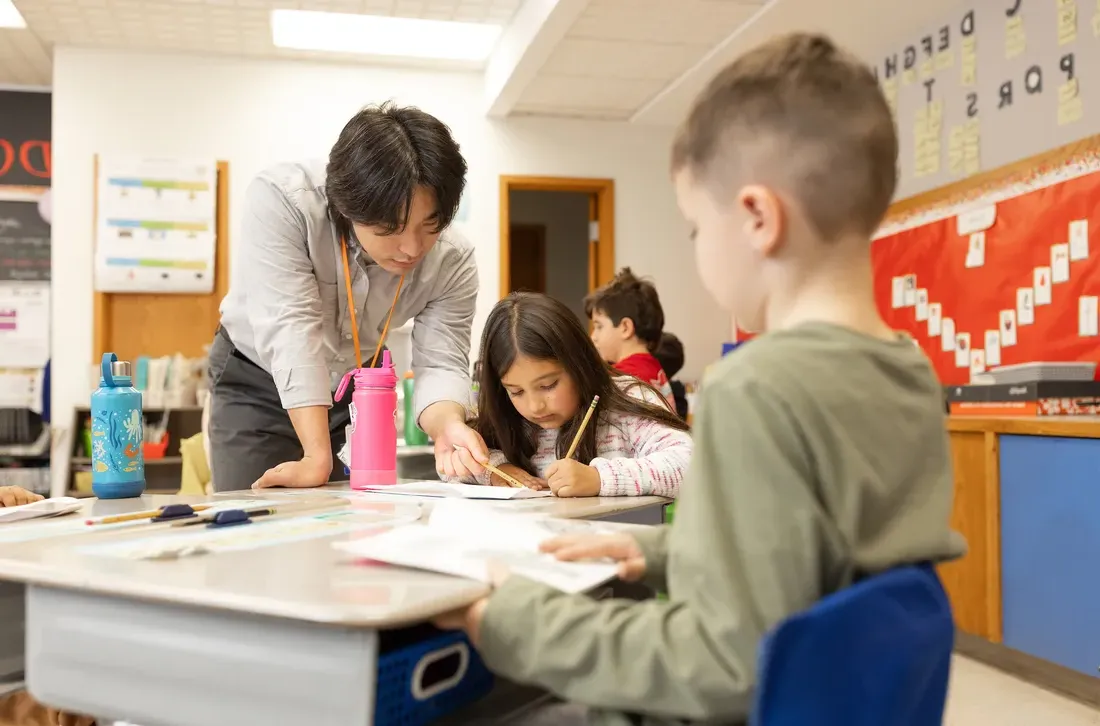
{"type": "Point", "coordinates": [877, 653]}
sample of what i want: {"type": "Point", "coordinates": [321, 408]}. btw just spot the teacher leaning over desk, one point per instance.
{"type": "Point", "coordinates": [374, 219]}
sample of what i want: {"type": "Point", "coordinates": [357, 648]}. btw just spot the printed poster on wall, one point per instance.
{"type": "Point", "coordinates": [25, 209]}
{"type": "Point", "coordinates": [155, 229]}
{"type": "Point", "coordinates": [24, 243]}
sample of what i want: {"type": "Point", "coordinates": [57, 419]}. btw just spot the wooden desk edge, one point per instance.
{"type": "Point", "coordinates": [1082, 427]}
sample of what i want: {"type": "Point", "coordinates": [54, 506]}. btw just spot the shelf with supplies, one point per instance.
{"type": "Point", "coordinates": [163, 472]}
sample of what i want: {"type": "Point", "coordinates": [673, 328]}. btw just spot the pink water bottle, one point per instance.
{"type": "Point", "coordinates": [372, 434]}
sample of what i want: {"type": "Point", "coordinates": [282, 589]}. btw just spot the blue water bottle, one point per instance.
{"type": "Point", "coordinates": [118, 467]}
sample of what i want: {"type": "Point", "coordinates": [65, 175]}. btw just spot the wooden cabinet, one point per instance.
{"type": "Point", "coordinates": [973, 582]}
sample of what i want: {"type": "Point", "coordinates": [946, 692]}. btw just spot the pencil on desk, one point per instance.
{"type": "Point", "coordinates": [512, 481]}
{"type": "Point", "coordinates": [135, 516]}
{"type": "Point", "coordinates": [580, 431]}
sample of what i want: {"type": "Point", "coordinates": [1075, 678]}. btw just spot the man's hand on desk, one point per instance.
{"type": "Point", "coordinates": [306, 472]}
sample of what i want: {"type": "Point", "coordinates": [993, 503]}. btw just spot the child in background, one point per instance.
{"type": "Point", "coordinates": [20, 708]}
{"type": "Point", "coordinates": [539, 374]}
{"type": "Point", "coordinates": [670, 354]}
{"type": "Point", "coordinates": [821, 452]}
{"type": "Point", "coordinates": [627, 320]}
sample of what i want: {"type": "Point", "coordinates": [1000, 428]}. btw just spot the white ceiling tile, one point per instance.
{"type": "Point", "coordinates": [622, 59]}
{"type": "Point", "coordinates": [617, 56]}
{"type": "Point", "coordinates": [670, 21]}
{"type": "Point", "coordinates": [577, 92]}
{"type": "Point", "coordinates": [24, 61]}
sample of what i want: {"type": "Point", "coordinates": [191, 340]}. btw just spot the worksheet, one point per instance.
{"type": "Point", "coordinates": [439, 489]}
{"type": "Point", "coordinates": [170, 544]}
{"type": "Point", "coordinates": [465, 539]}
{"type": "Point", "coordinates": [42, 509]}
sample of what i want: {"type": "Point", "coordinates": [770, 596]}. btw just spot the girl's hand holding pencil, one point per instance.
{"type": "Point", "coordinates": [570, 478]}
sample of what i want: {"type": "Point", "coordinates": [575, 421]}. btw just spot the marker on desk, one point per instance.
{"type": "Point", "coordinates": [230, 517]}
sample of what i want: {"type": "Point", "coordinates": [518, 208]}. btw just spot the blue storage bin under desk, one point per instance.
{"type": "Point", "coordinates": [425, 674]}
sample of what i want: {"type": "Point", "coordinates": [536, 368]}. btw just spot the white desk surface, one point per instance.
{"type": "Point", "coordinates": [305, 580]}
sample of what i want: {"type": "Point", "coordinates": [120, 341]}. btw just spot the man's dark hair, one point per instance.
{"type": "Point", "coordinates": [670, 354]}
{"type": "Point", "coordinates": [383, 155]}
{"type": "Point", "coordinates": [628, 296]}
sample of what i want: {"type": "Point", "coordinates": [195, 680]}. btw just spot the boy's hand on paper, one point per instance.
{"type": "Point", "coordinates": [14, 496]}
{"type": "Point", "coordinates": [531, 482]}
{"type": "Point", "coordinates": [460, 452]}
{"type": "Point", "coordinates": [619, 547]}
{"type": "Point", "coordinates": [570, 478]}
{"type": "Point", "coordinates": [304, 473]}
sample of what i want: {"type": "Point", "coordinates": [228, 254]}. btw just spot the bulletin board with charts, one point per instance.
{"type": "Point", "coordinates": [162, 254]}
{"type": "Point", "coordinates": [155, 225]}
{"type": "Point", "coordinates": [1009, 275]}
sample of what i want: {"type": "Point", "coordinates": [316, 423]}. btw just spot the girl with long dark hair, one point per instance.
{"type": "Point", "coordinates": [539, 373]}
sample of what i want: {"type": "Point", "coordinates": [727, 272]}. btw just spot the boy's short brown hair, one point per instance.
{"type": "Point", "coordinates": [628, 296]}
{"type": "Point", "coordinates": [805, 116]}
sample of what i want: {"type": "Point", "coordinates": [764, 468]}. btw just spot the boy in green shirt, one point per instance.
{"type": "Point", "coordinates": [821, 455]}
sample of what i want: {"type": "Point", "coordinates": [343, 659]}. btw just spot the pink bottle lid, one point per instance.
{"type": "Point", "coordinates": [383, 377]}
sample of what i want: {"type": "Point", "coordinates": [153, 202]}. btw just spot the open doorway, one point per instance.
{"type": "Point", "coordinates": [556, 236]}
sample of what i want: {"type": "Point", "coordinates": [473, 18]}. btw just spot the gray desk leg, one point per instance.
{"type": "Point", "coordinates": [166, 665]}
{"type": "Point", "coordinates": [12, 633]}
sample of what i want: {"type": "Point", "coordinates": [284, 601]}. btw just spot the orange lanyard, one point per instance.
{"type": "Point", "coordinates": [351, 312]}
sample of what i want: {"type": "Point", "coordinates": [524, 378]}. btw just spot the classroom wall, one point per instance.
{"type": "Point", "coordinates": [1027, 71]}
{"type": "Point", "coordinates": [565, 215]}
{"type": "Point", "coordinates": [254, 113]}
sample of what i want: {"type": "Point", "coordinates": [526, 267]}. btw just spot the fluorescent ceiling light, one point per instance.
{"type": "Point", "coordinates": [382, 35]}
{"type": "Point", "coordinates": [9, 16]}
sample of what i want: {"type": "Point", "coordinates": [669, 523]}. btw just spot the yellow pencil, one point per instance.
{"type": "Point", "coordinates": [512, 481]}
{"type": "Point", "coordinates": [580, 431]}
{"type": "Point", "coordinates": [133, 517]}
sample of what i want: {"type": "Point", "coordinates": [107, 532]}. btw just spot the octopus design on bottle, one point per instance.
{"type": "Point", "coordinates": [116, 441]}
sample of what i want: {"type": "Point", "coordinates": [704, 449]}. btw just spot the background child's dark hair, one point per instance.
{"type": "Point", "coordinates": [628, 296]}
{"type": "Point", "coordinates": [543, 328]}
{"type": "Point", "coordinates": [670, 354]}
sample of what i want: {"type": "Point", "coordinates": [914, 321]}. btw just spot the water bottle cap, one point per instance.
{"type": "Point", "coordinates": [121, 368]}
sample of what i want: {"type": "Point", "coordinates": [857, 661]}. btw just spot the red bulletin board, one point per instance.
{"type": "Point", "coordinates": [1019, 241]}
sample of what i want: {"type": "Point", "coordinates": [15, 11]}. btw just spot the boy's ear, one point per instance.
{"type": "Point", "coordinates": [766, 221]}
{"type": "Point", "coordinates": [626, 328]}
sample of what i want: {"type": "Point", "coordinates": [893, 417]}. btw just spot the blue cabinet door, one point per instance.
{"type": "Point", "coordinates": [1050, 548]}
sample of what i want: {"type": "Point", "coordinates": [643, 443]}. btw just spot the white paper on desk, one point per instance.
{"type": "Point", "coordinates": [464, 539]}
{"type": "Point", "coordinates": [40, 509]}
{"type": "Point", "coordinates": [440, 489]}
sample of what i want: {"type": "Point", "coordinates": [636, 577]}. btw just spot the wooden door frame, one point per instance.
{"type": "Point", "coordinates": [603, 189]}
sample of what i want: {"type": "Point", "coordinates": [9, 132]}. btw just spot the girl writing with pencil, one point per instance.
{"type": "Point", "coordinates": [540, 374]}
